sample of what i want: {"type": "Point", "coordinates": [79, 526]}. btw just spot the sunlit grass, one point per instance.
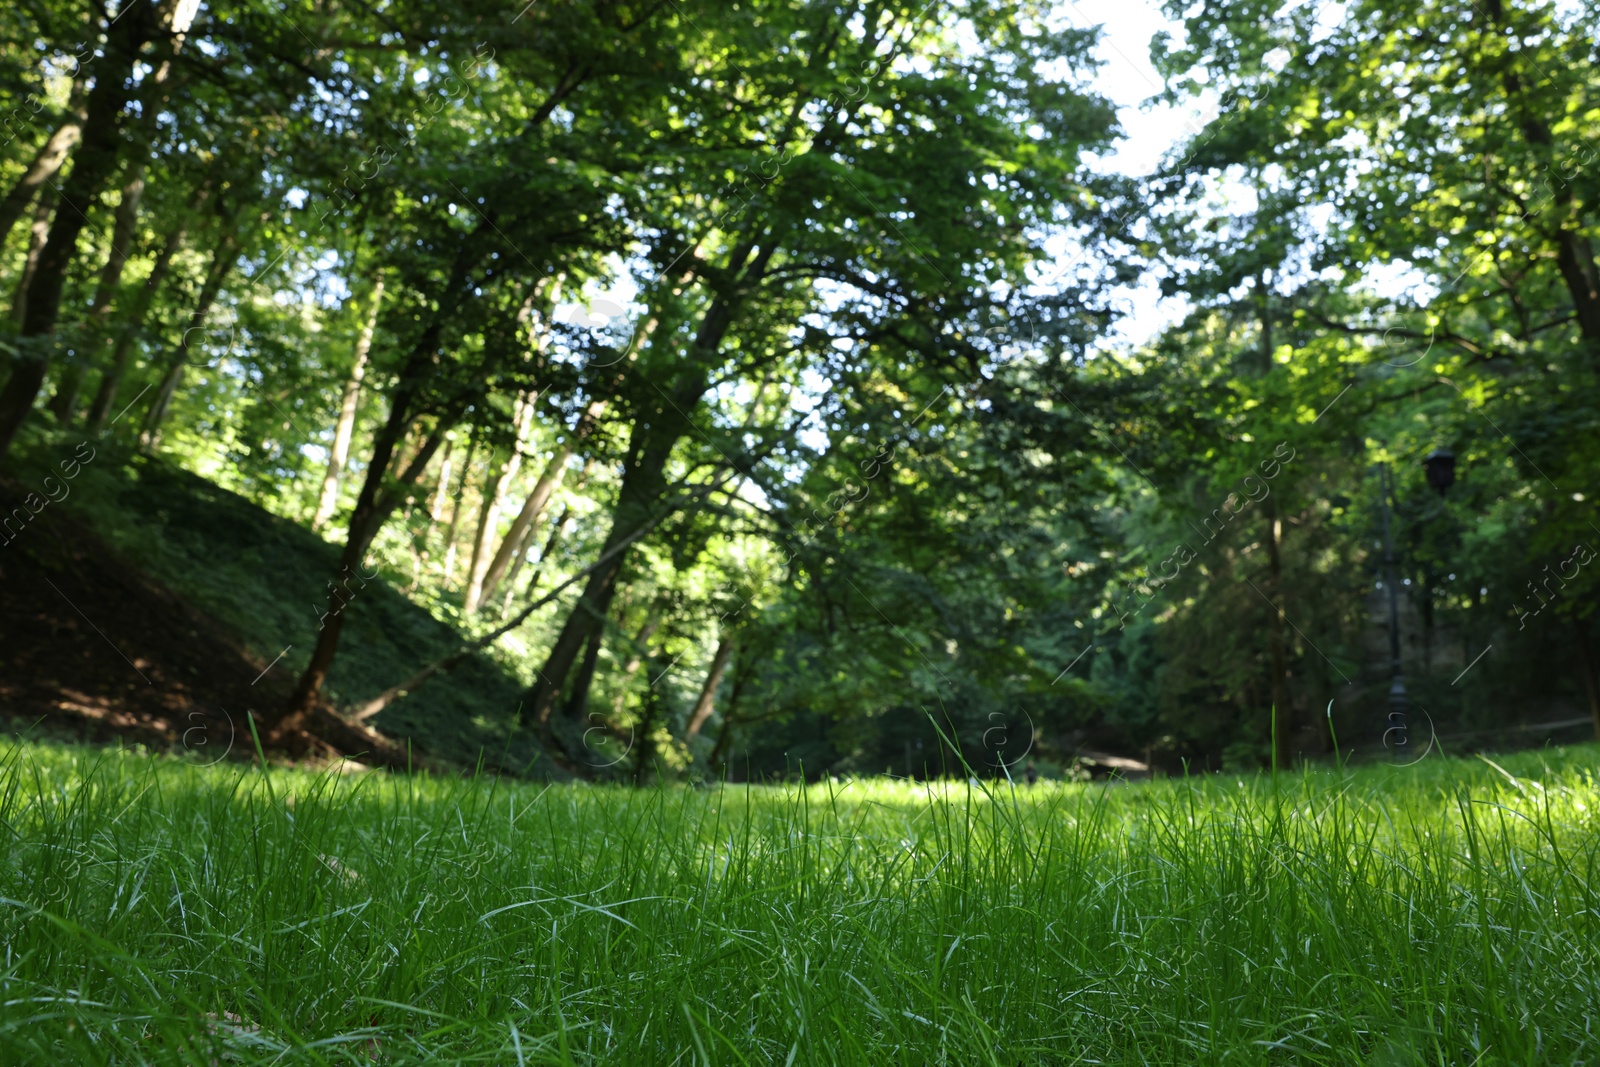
{"type": "Point", "coordinates": [160, 912]}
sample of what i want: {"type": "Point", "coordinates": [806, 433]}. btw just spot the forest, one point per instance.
{"type": "Point", "coordinates": [643, 390]}
{"type": "Point", "coordinates": [671, 532]}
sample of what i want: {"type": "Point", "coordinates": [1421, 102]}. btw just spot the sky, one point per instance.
{"type": "Point", "coordinates": [1128, 79]}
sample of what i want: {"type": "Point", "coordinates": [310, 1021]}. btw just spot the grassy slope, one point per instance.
{"type": "Point", "coordinates": [261, 575]}
{"type": "Point", "coordinates": [1441, 914]}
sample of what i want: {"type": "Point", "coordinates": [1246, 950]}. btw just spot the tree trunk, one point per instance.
{"type": "Point", "coordinates": [493, 499]}
{"type": "Point", "coordinates": [1575, 257]}
{"type": "Point", "coordinates": [340, 452]}
{"type": "Point", "coordinates": [645, 752]}
{"type": "Point", "coordinates": [374, 505]}
{"type": "Point", "coordinates": [708, 692]}
{"type": "Point", "coordinates": [724, 735]}
{"type": "Point", "coordinates": [442, 490]}
{"type": "Point", "coordinates": [579, 701]}
{"type": "Point", "coordinates": [65, 402]}
{"type": "Point", "coordinates": [221, 263]}
{"type": "Point", "coordinates": [521, 558]}
{"type": "Point", "coordinates": [93, 166]}
{"type": "Point", "coordinates": [45, 164]}
{"type": "Point", "coordinates": [372, 509]}
{"type": "Point", "coordinates": [127, 331]}
{"type": "Point", "coordinates": [517, 537]}
{"type": "Point", "coordinates": [744, 671]}
{"type": "Point", "coordinates": [455, 511]}
{"type": "Point", "coordinates": [38, 234]}
{"type": "Point", "coordinates": [494, 484]}
{"type": "Point", "coordinates": [643, 486]}
{"type": "Point", "coordinates": [558, 528]}
{"type": "Point", "coordinates": [1587, 669]}
{"type": "Point", "coordinates": [518, 561]}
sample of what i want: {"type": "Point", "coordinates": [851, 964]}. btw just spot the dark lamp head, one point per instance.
{"type": "Point", "coordinates": [1441, 467]}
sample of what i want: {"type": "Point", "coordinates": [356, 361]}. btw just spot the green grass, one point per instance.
{"type": "Point", "coordinates": [159, 912]}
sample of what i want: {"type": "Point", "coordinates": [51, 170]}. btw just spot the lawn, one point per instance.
{"type": "Point", "coordinates": [158, 911]}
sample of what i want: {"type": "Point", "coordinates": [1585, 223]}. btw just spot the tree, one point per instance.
{"type": "Point", "coordinates": [94, 163]}
{"type": "Point", "coordinates": [339, 453]}
{"type": "Point", "coordinates": [516, 202]}
{"type": "Point", "coordinates": [756, 279]}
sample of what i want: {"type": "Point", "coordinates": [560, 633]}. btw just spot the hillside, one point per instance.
{"type": "Point", "coordinates": [149, 603]}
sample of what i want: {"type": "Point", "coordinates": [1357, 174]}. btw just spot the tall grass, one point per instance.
{"type": "Point", "coordinates": [159, 912]}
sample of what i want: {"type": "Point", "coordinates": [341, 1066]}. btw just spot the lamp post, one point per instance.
{"type": "Point", "coordinates": [1397, 685]}
{"type": "Point", "coordinates": [1440, 467]}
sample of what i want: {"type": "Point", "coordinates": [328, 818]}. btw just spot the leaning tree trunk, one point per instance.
{"type": "Point", "coordinates": [441, 491]}
{"type": "Point", "coordinates": [65, 402]}
{"type": "Point", "coordinates": [221, 263]}
{"type": "Point", "coordinates": [155, 93]}
{"type": "Point", "coordinates": [345, 429]}
{"type": "Point", "coordinates": [493, 499]}
{"type": "Point", "coordinates": [374, 504]}
{"type": "Point", "coordinates": [518, 561]}
{"type": "Point", "coordinates": [373, 508]}
{"type": "Point", "coordinates": [579, 701]}
{"type": "Point", "coordinates": [128, 330]}
{"type": "Point", "coordinates": [706, 704]}
{"type": "Point", "coordinates": [741, 678]}
{"type": "Point", "coordinates": [521, 528]}
{"type": "Point", "coordinates": [557, 530]}
{"type": "Point", "coordinates": [458, 502]}
{"type": "Point", "coordinates": [494, 485]}
{"type": "Point", "coordinates": [643, 486]}
{"type": "Point", "coordinates": [51, 155]}
{"type": "Point", "coordinates": [38, 234]}
{"type": "Point", "coordinates": [96, 161]}
{"type": "Point", "coordinates": [538, 498]}
{"type": "Point", "coordinates": [521, 558]}
{"type": "Point", "coordinates": [516, 540]}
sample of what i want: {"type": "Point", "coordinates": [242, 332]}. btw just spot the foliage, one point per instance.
{"type": "Point", "coordinates": [763, 297]}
